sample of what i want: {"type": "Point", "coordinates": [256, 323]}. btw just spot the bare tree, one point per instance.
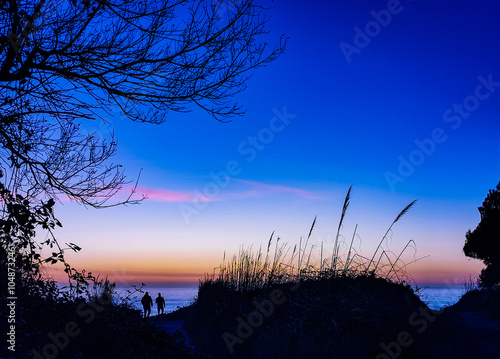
{"type": "Point", "coordinates": [63, 62]}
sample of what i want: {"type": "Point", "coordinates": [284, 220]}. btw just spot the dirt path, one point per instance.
{"type": "Point", "coordinates": [174, 327]}
{"type": "Point", "coordinates": [174, 324]}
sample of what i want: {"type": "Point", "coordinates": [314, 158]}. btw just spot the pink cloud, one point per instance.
{"type": "Point", "coordinates": [165, 195]}
{"type": "Point", "coordinates": [260, 189]}
{"type": "Point", "coordinates": [254, 189]}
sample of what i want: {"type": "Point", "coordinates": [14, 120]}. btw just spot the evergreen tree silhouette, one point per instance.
{"type": "Point", "coordinates": [484, 242]}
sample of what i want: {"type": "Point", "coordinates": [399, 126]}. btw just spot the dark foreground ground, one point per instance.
{"type": "Point", "coordinates": [352, 318]}
{"type": "Point", "coordinates": [469, 329]}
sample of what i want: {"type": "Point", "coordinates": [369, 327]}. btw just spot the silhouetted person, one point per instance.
{"type": "Point", "coordinates": [147, 303]}
{"type": "Point", "coordinates": [160, 303]}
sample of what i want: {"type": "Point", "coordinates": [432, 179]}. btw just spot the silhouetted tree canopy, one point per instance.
{"type": "Point", "coordinates": [484, 242]}
{"type": "Point", "coordinates": [62, 62]}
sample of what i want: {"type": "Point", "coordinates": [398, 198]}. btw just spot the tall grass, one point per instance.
{"type": "Point", "coordinates": [254, 270]}
{"type": "Point", "coordinates": [470, 283]}
{"type": "Point", "coordinates": [401, 214]}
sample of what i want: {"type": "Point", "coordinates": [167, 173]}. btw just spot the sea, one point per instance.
{"type": "Point", "coordinates": [435, 296]}
{"type": "Point", "coordinates": [441, 296]}
{"type": "Point", "coordinates": [175, 298]}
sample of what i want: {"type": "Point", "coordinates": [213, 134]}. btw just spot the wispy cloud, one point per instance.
{"type": "Point", "coordinates": [165, 195]}
{"type": "Point", "coordinates": [262, 189]}
{"type": "Point", "coordinates": [243, 189]}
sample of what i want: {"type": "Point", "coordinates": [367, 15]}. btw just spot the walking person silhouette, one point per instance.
{"type": "Point", "coordinates": [147, 303]}
{"type": "Point", "coordinates": [160, 303]}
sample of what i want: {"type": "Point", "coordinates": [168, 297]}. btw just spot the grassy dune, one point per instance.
{"type": "Point", "coordinates": [304, 301]}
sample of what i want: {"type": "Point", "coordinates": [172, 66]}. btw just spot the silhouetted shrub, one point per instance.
{"type": "Point", "coordinates": [484, 242]}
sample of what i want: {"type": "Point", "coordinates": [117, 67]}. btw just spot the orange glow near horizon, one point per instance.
{"type": "Point", "coordinates": [181, 272]}
{"type": "Point", "coordinates": [450, 274]}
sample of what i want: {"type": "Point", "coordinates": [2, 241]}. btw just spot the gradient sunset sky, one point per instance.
{"type": "Point", "coordinates": [409, 111]}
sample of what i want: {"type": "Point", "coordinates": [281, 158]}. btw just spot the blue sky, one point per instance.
{"type": "Point", "coordinates": [346, 122]}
